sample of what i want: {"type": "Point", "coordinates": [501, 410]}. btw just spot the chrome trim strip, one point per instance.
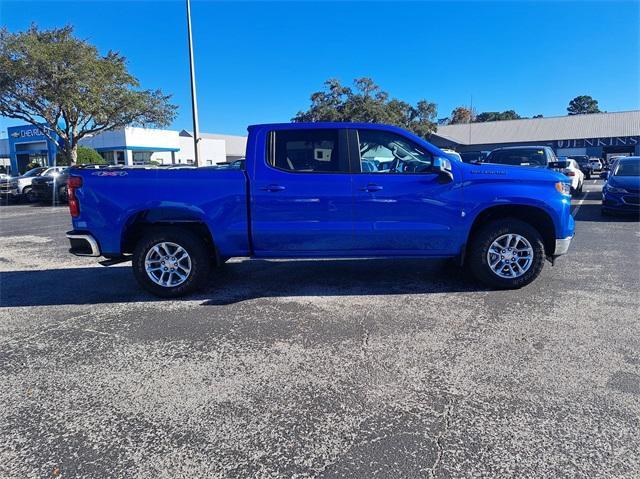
{"type": "Point", "coordinates": [95, 251]}
{"type": "Point", "coordinates": [562, 245]}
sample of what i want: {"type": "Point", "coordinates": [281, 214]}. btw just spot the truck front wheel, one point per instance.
{"type": "Point", "coordinates": [171, 262]}
{"type": "Point", "coordinates": [507, 254]}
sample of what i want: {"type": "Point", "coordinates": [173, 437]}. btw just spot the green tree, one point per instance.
{"type": "Point", "coordinates": [497, 116]}
{"type": "Point", "coordinates": [582, 105]}
{"type": "Point", "coordinates": [52, 77]}
{"type": "Point", "coordinates": [367, 103]}
{"type": "Point", "coordinates": [462, 114]}
{"type": "Point", "coordinates": [85, 156]}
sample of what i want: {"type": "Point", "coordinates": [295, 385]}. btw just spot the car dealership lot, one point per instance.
{"type": "Point", "coordinates": [378, 368]}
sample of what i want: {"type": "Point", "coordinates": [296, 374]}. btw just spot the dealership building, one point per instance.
{"type": "Point", "coordinates": [26, 144]}
{"type": "Point", "coordinates": [600, 135]}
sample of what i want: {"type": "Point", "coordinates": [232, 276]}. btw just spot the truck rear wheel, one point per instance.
{"type": "Point", "coordinates": [507, 254]}
{"type": "Point", "coordinates": [171, 262]}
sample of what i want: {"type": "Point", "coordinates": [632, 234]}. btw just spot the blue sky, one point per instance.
{"type": "Point", "coordinates": [259, 62]}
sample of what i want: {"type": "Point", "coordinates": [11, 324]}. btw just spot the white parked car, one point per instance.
{"type": "Point", "coordinates": [595, 163]}
{"type": "Point", "coordinates": [571, 168]}
{"type": "Point", "coordinates": [453, 153]}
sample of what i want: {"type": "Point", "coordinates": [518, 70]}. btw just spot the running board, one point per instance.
{"type": "Point", "coordinates": [115, 260]}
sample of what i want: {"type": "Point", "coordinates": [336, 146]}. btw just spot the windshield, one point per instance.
{"type": "Point", "coordinates": [628, 168]}
{"type": "Point", "coordinates": [52, 171]}
{"type": "Point", "coordinates": [34, 171]}
{"type": "Point", "coordinates": [519, 156]}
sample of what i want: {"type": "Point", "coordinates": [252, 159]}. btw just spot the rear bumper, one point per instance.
{"type": "Point", "coordinates": [562, 246]}
{"type": "Point", "coordinates": [83, 244]}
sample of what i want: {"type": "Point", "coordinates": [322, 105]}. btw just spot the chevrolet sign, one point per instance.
{"type": "Point", "coordinates": [27, 133]}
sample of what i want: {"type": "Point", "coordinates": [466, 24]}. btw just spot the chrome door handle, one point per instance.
{"type": "Point", "coordinates": [371, 188]}
{"type": "Point", "coordinates": [273, 188]}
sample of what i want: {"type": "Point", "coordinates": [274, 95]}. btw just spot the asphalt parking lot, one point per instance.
{"type": "Point", "coordinates": [378, 368]}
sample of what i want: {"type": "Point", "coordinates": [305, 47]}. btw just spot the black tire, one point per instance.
{"type": "Point", "coordinates": [194, 246]}
{"type": "Point", "coordinates": [28, 195]}
{"type": "Point", "coordinates": [484, 238]}
{"type": "Point", "coordinates": [63, 196]}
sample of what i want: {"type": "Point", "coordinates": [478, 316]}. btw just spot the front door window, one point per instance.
{"type": "Point", "coordinates": [385, 152]}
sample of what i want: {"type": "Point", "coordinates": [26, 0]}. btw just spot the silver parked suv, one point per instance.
{"type": "Point", "coordinates": [20, 186]}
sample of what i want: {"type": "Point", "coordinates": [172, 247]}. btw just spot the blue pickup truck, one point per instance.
{"type": "Point", "coordinates": [323, 190]}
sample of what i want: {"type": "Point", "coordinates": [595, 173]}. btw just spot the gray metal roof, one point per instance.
{"type": "Point", "coordinates": [596, 125]}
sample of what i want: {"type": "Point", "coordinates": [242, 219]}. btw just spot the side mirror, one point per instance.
{"type": "Point", "coordinates": [604, 175]}
{"type": "Point", "coordinates": [442, 166]}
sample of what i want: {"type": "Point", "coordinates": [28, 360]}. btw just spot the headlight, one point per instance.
{"type": "Point", "coordinates": [563, 188]}
{"type": "Point", "coordinates": [613, 189]}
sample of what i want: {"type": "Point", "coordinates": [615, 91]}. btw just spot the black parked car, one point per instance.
{"type": "Point", "coordinates": [473, 156]}
{"type": "Point", "coordinates": [51, 188]}
{"type": "Point", "coordinates": [585, 166]}
{"type": "Point", "coordinates": [538, 156]}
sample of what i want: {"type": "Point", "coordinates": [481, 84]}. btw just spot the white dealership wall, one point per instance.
{"type": "Point", "coordinates": [211, 151]}
{"type": "Point", "coordinates": [4, 153]}
{"type": "Point", "coordinates": [140, 145]}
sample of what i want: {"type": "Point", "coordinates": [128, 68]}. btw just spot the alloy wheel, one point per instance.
{"type": "Point", "coordinates": [167, 264]}
{"type": "Point", "coordinates": [510, 256]}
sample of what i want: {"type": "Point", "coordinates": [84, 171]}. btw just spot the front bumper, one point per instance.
{"type": "Point", "coordinates": [8, 191]}
{"type": "Point", "coordinates": [621, 202]}
{"type": "Point", "coordinates": [83, 244]}
{"type": "Point", "coordinates": [42, 191]}
{"type": "Point", "coordinates": [562, 246]}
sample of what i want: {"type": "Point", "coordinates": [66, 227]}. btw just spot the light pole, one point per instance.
{"type": "Point", "coordinates": [194, 101]}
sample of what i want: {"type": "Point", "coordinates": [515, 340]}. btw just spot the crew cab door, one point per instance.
{"type": "Point", "coordinates": [401, 204]}
{"type": "Point", "coordinates": [301, 200]}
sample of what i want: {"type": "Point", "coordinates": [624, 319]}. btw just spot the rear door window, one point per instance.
{"type": "Point", "coordinates": [306, 151]}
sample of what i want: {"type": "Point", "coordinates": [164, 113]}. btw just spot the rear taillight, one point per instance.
{"type": "Point", "coordinates": [73, 183]}
{"type": "Point", "coordinates": [570, 173]}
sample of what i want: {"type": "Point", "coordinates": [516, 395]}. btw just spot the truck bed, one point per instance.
{"type": "Point", "coordinates": [111, 199]}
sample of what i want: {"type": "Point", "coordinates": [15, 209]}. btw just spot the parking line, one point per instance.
{"type": "Point", "coordinates": [575, 212]}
